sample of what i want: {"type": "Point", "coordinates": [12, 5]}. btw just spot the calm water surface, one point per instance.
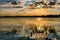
{"type": "Point", "coordinates": [10, 23]}
{"type": "Point", "coordinates": [26, 21]}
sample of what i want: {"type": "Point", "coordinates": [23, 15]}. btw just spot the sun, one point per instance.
{"type": "Point", "coordinates": [39, 19]}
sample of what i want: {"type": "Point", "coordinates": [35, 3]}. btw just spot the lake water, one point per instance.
{"type": "Point", "coordinates": [26, 21]}
{"type": "Point", "coordinates": [6, 24]}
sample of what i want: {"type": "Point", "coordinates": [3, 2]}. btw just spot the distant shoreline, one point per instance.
{"type": "Point", "coordinates": [43, 16]}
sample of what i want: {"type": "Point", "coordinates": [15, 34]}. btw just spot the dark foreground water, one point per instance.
{"type": "Point", "coordinates": [6, 24]}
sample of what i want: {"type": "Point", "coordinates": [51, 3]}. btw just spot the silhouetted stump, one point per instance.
{"type": "Point", "coordinates": [47, 38]}
{"type": "Point", "coordinates": [40, 31]}
{"type": "Point", "coordinates": [13, 31]}
{"type": "Point", "coordinates": [52, 31]}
